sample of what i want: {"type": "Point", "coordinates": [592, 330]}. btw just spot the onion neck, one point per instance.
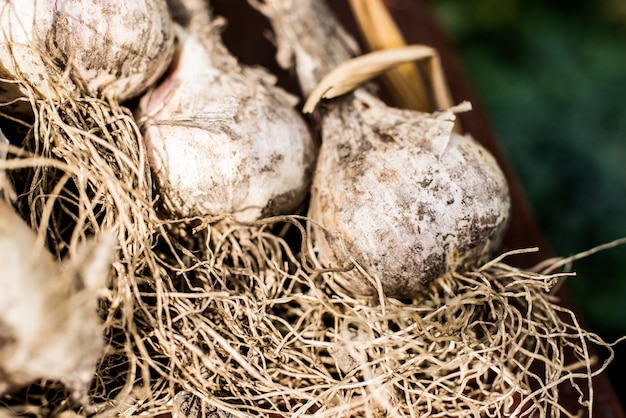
{"type": "Point", "coordinates": [309, 37]}
{"type": "Point", "coordinates": [196, 17]}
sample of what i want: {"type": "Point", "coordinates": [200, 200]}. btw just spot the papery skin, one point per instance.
{"type": "Point", "coordinates": [104, 48]}
{"type": "Point", "coordinates": [49, 323]}
{"type": "Point", "coordinates": [223, 140]}
{"type": "Point", "coordinates": [402, 196]}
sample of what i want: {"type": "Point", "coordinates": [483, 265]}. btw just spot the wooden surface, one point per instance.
{"type": "Point", "coordinates": [419, 26]}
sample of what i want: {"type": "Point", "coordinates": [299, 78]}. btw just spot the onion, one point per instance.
{"type": "Point", "coordinates": [397, 196]}
{"type": "Point", "coordinates": [109, 48]}
{"type": "Point", "coordinates": [403, 196]}
{"type": "Point", "coordinates": [222, 139]}
{"type": "Point", "coordinates": [48, 311]}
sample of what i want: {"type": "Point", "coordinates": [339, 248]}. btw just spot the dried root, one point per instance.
{"type": "Point", "coordinates": [207, 317]}
{"type": "Point", "coordinates": [491, 343]}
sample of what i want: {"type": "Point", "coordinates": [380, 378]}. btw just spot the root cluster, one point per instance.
{"type": "Point", "coordinates": [208, 317]}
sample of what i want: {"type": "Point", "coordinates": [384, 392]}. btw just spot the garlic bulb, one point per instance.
{"type": "Point", "coordinates": [222, 139]}
{"type": "Point", "coordinates": [396, 196]}
{"type": "Point", "coordinates": [109, 48]}
{"type": "Point", "coordinates": [401, 195]}
{"type": "Point", "coordinates": [48, 311]}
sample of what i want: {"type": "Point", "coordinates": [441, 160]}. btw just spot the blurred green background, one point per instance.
{"type": "Point", "coordinates": [552, 76]}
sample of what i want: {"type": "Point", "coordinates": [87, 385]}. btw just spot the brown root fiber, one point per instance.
{"type": "Point", "coordinates": [207, 317]}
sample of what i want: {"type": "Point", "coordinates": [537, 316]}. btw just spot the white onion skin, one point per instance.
{"type": "Point", "coordinates": [105, 48]}
{"type": "Point", "coordinates": [399, 194]}
{"type": "Point", "coordinates": [49, 319]}
{"type": "Point", "coordinates": [223, 140]}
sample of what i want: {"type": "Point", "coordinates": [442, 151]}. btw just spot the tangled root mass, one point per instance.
{"type": "Point", "coordinates": [208, 317]}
